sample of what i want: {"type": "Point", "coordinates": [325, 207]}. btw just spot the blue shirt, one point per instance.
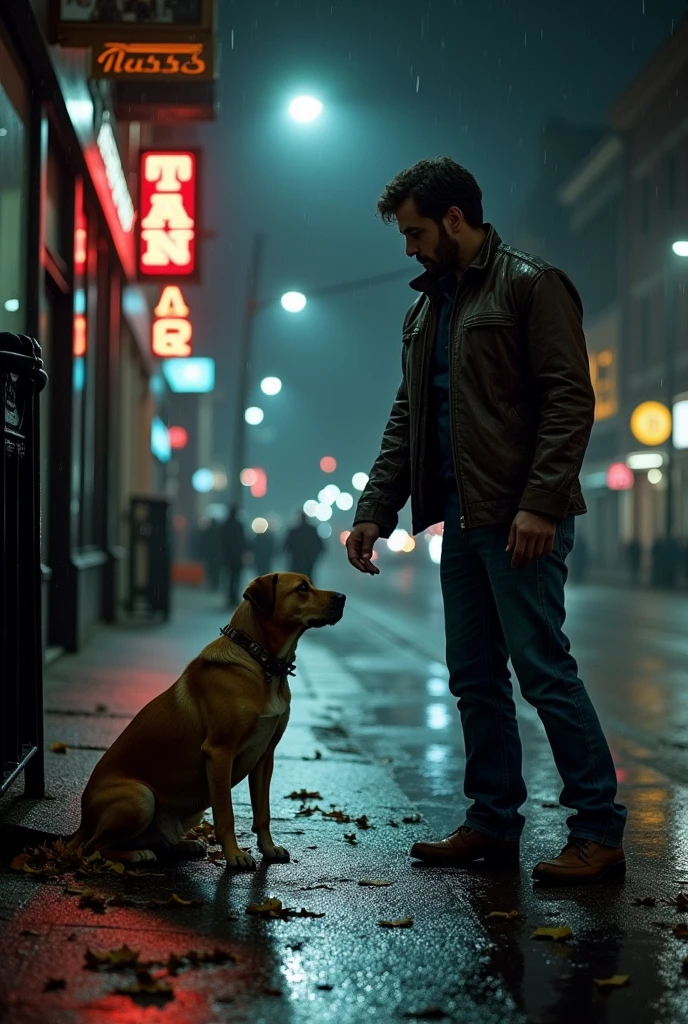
{"type": "Point", "coordinates": [439, 376]}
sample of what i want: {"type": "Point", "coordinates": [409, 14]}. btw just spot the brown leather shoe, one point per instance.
{"type": "Point", "coordinates": [582, 861]}
{"type": "Point", "coordinates": [465, 846]}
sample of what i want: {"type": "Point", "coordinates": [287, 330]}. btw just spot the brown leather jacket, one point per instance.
{"type": "Point", "coordinates": [521, 401]}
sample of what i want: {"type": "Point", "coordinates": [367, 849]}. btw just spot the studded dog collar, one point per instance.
{"type": "Point", "coordinates": [271, 665]}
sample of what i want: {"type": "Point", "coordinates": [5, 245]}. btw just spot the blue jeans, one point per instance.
{"type": "Point", "coordinates": [492, 612]}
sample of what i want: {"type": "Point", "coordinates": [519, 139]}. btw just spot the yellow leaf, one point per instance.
{"type": "Point", "coordinates": [303, 794]}
{"type": "Point", "coordinates": [114, 865]}
{"type": "Point", "coordinates": [269, 906]}
{"type": "Point", "coordinates": [113, 959]}
{"type": "Point", "coordinates": [558, 934]}
{"type": "Point", "coordinates": [374, 881]}
{"type": "Point", "coordinates": [174, 901]}
{"type": "Point", "coordinates": [402, 922]}
{"type": "Point", "coordinates": [508, 915]}
{"type": "Point", "coordinates": [58, 748]}
{"type": "Point", "coordinates": [616, 981]}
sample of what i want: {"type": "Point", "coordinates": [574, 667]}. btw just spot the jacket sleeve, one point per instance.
{"type": "Point", "coordinates": [389, 484]}
{"type": "Point", "coordinates": [561, 372]}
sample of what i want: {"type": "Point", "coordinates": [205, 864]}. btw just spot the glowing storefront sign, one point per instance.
{"type": "Point", "coordinates": [603, 377]}
{"type": "Point", "coordinates": [179, 437]}
{"type": "Point", "coordinates": [159, 60]}
{"type": "Point", "coordinates": [160, 440]}
{"type": "Point", "coordinates": [681, 423]}
{"type": "Point", "coordinates": [171, 332]}
{"type": "Point", "coordinates": [190, 375]}
{"type": "Point", "coordinates": [651, 423]}
{"type": "Point", "coordinates": [115, 175]}
{"type": "Point", "coordinates": [167, 233]}
{"type": "Point", "coordinates": [619, 477]}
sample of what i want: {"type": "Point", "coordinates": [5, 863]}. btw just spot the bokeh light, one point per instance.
{"type": "Point", "coordinates": [328, 464]}
{"type": "Point", "coordinates": [344, 536]}
{"type": "Point", "coordinates": [409, 545]}
{"type": "Point", "coordinates": [329, 494]}
{"type": "Point", "coordinates": [254, 415]}
{"type": "Point", "coordinates": [310, 507]}
{"type": "Point", "coordinates": [344, 501]}
{"type": "Point", "coordinates": [359, 480]}
{"type": "Point", "coordinates": [305, 108]}
{"type": "Point", "coordinates": [324, 530]}
{"type": "Point", "coordinates": [323, 512]}
{"type": "Point", "coordinates": [435, 549]}
{"type": "Point", "coordinates": [293, 302]}
{"type": "Point", "coordinates": [271, 385]}
{"type": "Point", "coordinates": [259, 525]}
{"type": "Point", "coordinates": [397, 540]}
{"type": "Point", "coordinates": [248, 477]}
{"type": "Point", "coordinates": [202, 481]}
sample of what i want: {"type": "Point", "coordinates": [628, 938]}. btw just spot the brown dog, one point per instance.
{"type": "Point", "coordinates": [219, 722]}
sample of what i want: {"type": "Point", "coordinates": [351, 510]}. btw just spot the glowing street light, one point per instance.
{"type": "Point", "coordinates": [254, 415]}
{"type": "Point", "coordinates": [293, 302]}
{"type": "Point", "coordinates": [271, 385]}
{"type": "Point", "coordinates": [305, 108]}
{"type": "Point", "coordinates": [680, 248]}
{"type": "Point", "coordinates": [359, 480]}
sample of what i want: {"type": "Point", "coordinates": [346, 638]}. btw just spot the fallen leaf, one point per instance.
{"type": "Point", "coordinates": [350, 837]}
{"type": "Point", "coordinates": [307, 888]}
{"type": "Point", "coordinates": [412, 819]}
{"type": "Point", "coordinates": [58, 748]}
{"type": "Point", "coordinates": [645, 901]}
{"type": "Point", "coordinates": [302, 913]}
{"type": "Point", "coordinates": [508, 915]}
{"type": "Point", "coordinates": [681, 931]}
{"type": "Point", "coordinates": [146, 984]}
{"type": "Point", "coordinates": [205, 831]}
{"type": "Point", "coordinates": [29, 931]}
{"type": "Point", "coordinates": [306, 812]}
{"type": "Point", "coordinates": [558, 934]}
{"type": "Point", "coordinates": [173, 900]}
{"type": "Point", "coordinates": [336, 815]}
{"type": "Point", "coordinates": [616, 981]}
{"type": "Point", "coordinates": [196, 958]}
{"type": "Point", "coordinates": [374, 881]}
{"type": "Point", "coordinates": [680, 901]}
{"type": "Point", "coordinates": [325, 988]}
{"type": "Point", "coordinates": [402, 922]}
{"type": "Point", "coordinates": [429, 1013]}
{"type": "Point", "coordinates": [112, 959]}
{"type": "Point", "coordinates": [311, 847]}
{"type": "Point", "coordinates": [550, 803]}
{"type": "Point", "coordinates": [394, 824]}
{"type": "Point", "coordinates": [363, 822]}
{"type": "Point", "coordinates": [269, 906]}
{"type": "Point", "coordinates": [316, 757]}
{"type": "Point", "coordinates": [54, 984]}
{"type": "Point", "coordinates": [303, 794]}
{"type": "Point", "coordinates": [140, 872]}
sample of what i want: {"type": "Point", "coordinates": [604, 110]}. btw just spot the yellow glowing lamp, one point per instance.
{"type": "Point", "coordinates": [651, 423]}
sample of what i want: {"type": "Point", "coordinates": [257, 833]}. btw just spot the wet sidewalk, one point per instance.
{"type": "Point", "coordinates": [365, 737]}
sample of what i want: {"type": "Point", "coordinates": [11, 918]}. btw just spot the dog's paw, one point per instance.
{"type": "Point", "coordinates": [241, 861]}
{"type": "Point", "coordinates": [142, 856]}
{"type": "Point", "coordinates": [190, 848]}
{"type": "Point", "coordinates": [276, 853]}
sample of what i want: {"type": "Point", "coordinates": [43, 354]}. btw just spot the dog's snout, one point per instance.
{"type": "Point", "coordinates": [338, 598]}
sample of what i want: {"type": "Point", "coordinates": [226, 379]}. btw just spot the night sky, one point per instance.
{"type": "Point", "coordinates": [400, 81]}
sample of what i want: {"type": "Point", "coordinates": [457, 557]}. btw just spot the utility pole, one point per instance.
{"type": "Point", "coordinates": [250, 309]}
{"type": "Point", "coordinates": [670, 385]}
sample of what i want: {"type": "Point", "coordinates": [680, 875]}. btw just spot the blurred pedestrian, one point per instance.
{"type": "Point", "coordinates": [263, 549]}
{"type": "Point", "coordinates": [634, 554]}
{"type": "Point", "coordinates": [304, 547]}
{"type": "Point", "coordinates": [487, 434]}
{"type": "Point", "coordinates": [234, 548]}
{"type": "Point", "coordinates": [212, 555]}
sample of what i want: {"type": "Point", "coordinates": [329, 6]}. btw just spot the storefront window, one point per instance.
{"type": "Point", "coordinates": [13, 184]}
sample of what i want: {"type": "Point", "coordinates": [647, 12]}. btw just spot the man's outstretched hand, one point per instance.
{"type": "Point", "coordinates": [359, 547]}
{"type": "Point", "coordinates": [531, 535]}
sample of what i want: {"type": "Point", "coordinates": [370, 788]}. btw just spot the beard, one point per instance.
{"type": "Point", "coordinates": [446, 255]}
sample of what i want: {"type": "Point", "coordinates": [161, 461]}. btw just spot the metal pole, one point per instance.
{"type": "Point", "coordinates": [250, 309]}
{"type": "Point", "coordinates": [670, 368]}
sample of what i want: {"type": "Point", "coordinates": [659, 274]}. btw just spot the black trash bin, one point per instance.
{"type": "Point", "coordinates": [22, 378]}
{"type": "Point", "coordinates": [149, 556]}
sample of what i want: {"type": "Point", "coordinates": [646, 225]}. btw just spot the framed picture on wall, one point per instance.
{"type": "Point", "coordinates": [89, 22]}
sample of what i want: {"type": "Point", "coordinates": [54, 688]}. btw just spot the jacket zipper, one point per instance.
{"type": "Point", "coordinates": [452, 325]}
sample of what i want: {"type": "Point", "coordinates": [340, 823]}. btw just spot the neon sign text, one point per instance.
{"type": "Point", "coordinates": [167, 242]}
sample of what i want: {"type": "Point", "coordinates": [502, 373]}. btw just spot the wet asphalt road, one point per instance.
{"type": "Point", "coordinates": [371, 697]}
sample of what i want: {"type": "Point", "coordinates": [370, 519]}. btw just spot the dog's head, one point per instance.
{"type": "Point", "coordinates": [290, 599]}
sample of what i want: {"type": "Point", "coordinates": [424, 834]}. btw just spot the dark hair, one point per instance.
{"type": "Point", "coordinates": [434, 185]}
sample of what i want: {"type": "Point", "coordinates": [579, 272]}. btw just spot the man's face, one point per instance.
{"type": "Point", "coordinates": [428, 241]}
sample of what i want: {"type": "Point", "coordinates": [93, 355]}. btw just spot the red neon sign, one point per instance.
{"type": "Point", "coordinates": [167, 225]}
{"type": "Point", "coordinates": [171, 332]}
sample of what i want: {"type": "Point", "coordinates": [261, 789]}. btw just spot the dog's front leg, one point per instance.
{"type": "Point", "coordinates": [259, 788]}
{"type": "Point", "coordinates": [218, 762]}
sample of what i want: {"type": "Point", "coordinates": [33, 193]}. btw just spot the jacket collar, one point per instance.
{"type": "Point", "coordinates": [427, 282]}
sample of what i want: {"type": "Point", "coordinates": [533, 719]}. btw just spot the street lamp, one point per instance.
{"type": "Point", "coordinates": [271, 385]}
{"type": "Point", "coordinates": [305, 108]}
{"type": "Point", "coordinates": [678, 248]}
{"type": "Point", "coordinates": [293, 302]}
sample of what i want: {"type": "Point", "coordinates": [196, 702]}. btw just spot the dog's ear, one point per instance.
{"type": "Point", "coordinates": [262, 593]}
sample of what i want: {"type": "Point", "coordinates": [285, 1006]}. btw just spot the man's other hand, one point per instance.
{"type": "Point", "coordinates": [531, 535]}
{"type": "Point", "coordinates": [359, 547]}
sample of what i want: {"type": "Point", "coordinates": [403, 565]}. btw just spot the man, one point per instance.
{"type": "Point", "coordinates": [304, 547]}
{"type": "Point", "coordinates": [487, 433]}
{"type": "Point", "coordinates": [234, 549]}
{"type": "Point", "coordinates": [263, 548]}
